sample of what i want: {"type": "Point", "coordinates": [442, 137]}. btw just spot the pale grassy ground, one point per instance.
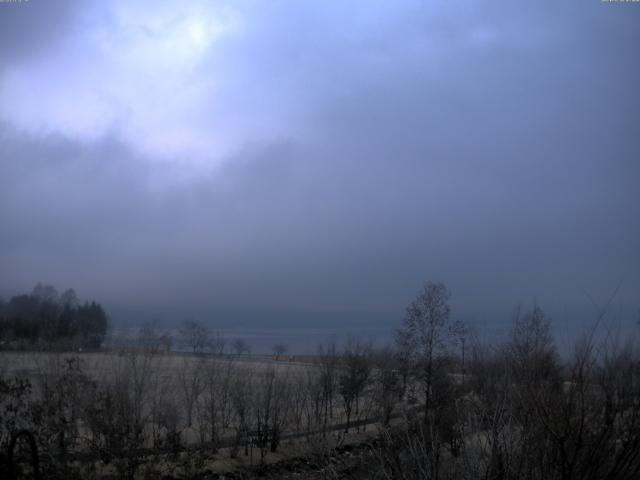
{"type": "Point", "coordinates": [95, 364]}
{"type": "Point", "coordinates": [163, 376]}
{"type": "Point", "coordinates": [160, 375]}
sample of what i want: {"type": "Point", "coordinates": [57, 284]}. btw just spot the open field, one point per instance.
{"type": "Point", "coordinates": [98, 364]}
{"type": "Point", "coordinates": [237, 411]}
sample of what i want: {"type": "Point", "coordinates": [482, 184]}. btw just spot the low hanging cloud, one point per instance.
{"type": "Point", "coordinates": [319, 161]}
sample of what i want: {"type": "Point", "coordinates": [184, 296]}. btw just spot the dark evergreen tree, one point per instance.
{"type": "Point", "coordinates": [49, 320]}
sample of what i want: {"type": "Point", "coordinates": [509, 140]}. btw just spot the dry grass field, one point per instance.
{"type": "Point", "coordinates": [138, 411]}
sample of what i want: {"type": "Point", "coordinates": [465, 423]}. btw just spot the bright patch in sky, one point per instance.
{"type": "Point", "coordinates": [141, 75]}
{"type": "Point", "coordinates": [192, 83]}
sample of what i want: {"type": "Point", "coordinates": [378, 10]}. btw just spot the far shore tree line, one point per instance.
{"type": "Point", "coordinates": [45, 319]}
{"type": "Point", "coordinates": [439, 403]}
{"type": "Point", "coordinates": [193, 337]}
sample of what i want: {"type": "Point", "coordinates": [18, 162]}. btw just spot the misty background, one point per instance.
{"type": "Point", "coordinates": [301, 168]}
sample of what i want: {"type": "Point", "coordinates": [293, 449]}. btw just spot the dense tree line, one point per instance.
{"type": "Point", "coordinates": [45, 318]}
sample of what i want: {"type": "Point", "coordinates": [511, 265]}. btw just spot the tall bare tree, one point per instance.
{"type": "Point", "coordinates": [425, 336]}
{"type": "Point", "coordinates": [355, 374]}
{"type": "Point", "coordinates": [195, 335]}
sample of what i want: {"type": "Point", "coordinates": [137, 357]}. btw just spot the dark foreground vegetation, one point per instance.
{"type": "Point", "coordinates": [439, 404]}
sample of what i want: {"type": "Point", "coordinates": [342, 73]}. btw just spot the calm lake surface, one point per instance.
{"type": "Point", "coordinates": [261, 341]}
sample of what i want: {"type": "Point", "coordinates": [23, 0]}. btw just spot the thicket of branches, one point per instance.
{"type": "Point", "coordinates": [516, 410]}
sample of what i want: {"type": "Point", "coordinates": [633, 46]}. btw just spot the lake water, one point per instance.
{"type": "Point", "coordinates": [261, 341]}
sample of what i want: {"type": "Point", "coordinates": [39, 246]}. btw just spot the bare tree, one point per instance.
{"type": "Point", "coordinates": [240, 346]}
{"type": "Point", "coordinates": [191, 384]}
{"type": "Point", "coordinates": [115, 414]}
{"type": "Point", "coordinates": [216, 404]}
{"type": "Point", "coordinates": [149, 339]}
{"type": "Point", "coordinates": [354, 376]}
{"type": "Point", "coordinates": [194, 335]}
{"type": "Point", "coordinates": [241, 402]}
{"type": "Point", "coordinates": [531, 347]}
{"type": "Point", "coordinates": [425, 336]}
{"type": "Point", "coordinates": [299, 404]}
{"type": "Point", "coordinates": [328, 362]}
{"type": "Point", "coordinates": [268, 411]}
{"type": "Point", "coordinates": [387, 383]}
{"type": "Point", "coordinates": [217, 343]}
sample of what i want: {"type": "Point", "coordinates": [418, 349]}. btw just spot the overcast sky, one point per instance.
{"type": "Point", "coordinates": [313, 163]}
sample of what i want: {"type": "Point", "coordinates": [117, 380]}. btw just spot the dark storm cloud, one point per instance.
{"type": "Point", "coordinates": [494, 148]}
